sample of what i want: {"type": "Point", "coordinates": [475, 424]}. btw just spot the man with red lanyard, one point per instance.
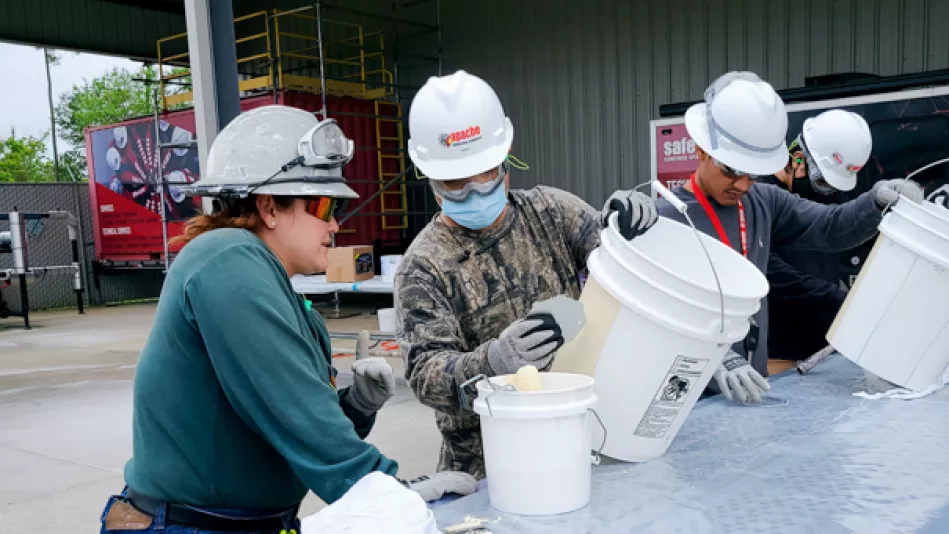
{"type": "Point", "coordinates": [740, 132]}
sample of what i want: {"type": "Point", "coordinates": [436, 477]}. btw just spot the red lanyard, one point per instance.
{"type": "Point", "coordinates": [717, 223]}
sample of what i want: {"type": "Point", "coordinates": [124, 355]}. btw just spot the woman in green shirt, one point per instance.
{"type": "Point", "coordinates": [236, 414]}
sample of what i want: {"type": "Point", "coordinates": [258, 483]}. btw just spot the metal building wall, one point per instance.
{"type": "Point", "coordinates": [581, 79]}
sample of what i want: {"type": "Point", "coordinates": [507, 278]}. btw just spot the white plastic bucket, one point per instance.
{"type": "Point", "coordinates": [386, 319]}
{"type": "Point", "coordinates": [895, 320]}
{"type": "Point", "coordinates": [389, 265]}
{"type": "Point", "coordinates": [654, 335]}
{"type": "Point", "coordinates": [537, 444]}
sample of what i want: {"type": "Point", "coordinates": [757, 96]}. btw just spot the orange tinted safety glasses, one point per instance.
{"type": "Point", "coordinates": [323, 208]}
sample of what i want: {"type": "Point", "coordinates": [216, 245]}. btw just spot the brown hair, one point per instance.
{"type": "Point", "coordinates": [241, 213]}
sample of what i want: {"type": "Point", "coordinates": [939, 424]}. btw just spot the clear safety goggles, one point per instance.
{"type": "Point", "coordinates": [471, 187]}
{"type": "Point", "coordinates": [715, 130]}
{"type": "Point", "coordinates": [814, 175]}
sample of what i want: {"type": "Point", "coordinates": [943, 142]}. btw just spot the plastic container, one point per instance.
{"type": "Point", "coordinates": [389, 265]}
{"type": "Point", "coordinates": [895, 320]}
{"type": "Point", "coordinates": [537, 444]}
{"type": "Point", "coordinates": [654, 334]}
{"type": "Point", "coordinates": [386, 320]}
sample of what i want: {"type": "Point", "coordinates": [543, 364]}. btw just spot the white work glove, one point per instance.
{"type": "Point", "coordinates": [637, 213]}
{"type": "Point", "coordinates": [886, 192]}
{"type": "Point", "coordinates": [739, 381]}
{"type": "Point", "coordinates": [434, 487]}
{"type": "Point", "coordinates": [373, 381]}
{"type": "Point", "coordinates": [528, 341]}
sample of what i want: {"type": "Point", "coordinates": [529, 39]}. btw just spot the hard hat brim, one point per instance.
{"type": "Point", "coordinates": [307, 189]}
{"type": "Point", "coordinates": [761, 164]}
{"type": "Point", "coordinates": [455, 169]}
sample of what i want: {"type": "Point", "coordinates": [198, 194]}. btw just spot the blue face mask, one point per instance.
{"type": "Point", "coordinates": [477, 211]}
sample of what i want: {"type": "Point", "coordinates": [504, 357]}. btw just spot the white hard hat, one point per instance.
{"type": "Point", "coordinates": [277, 150]}
{"type": "Point", "coordinates": [839, 143]}
{"type": "Point", "coordinates": [457, 128]}
{"type": "Point", "coordinates": [742, 124]}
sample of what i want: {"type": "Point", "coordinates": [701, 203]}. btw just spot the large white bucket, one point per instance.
{"type": "Point", "coordinates": [895, 320]}
{"type": "Point", "coordinates": [654, 334]}
{"type": "Point", "coordinates": [537, 444]}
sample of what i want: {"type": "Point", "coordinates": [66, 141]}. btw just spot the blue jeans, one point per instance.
{"type": "Point", "coordinates": [160, 524]}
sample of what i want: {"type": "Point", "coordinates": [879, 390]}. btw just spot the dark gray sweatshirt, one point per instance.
{"type": "Point", "coordinates": [773, 215]}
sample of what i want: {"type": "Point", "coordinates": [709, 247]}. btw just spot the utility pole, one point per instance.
{"type": "Point", "coordinates": [52, 114]}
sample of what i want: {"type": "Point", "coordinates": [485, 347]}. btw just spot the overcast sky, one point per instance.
{"type": "Point", "coordinates": [23, 100]}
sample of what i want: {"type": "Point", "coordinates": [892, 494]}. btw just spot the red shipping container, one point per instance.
{"type": "Point", "coordinates": [124, 189]}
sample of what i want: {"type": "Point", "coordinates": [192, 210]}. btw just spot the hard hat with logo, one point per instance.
{"type": "Point", "coordinates": [457, 128]}
{"type": "Point", "coordinates": [839, 143]}
{"type": "Point", "coordinates": [742, 123]}
{"type": "Point", "coordinates": [277, 150]}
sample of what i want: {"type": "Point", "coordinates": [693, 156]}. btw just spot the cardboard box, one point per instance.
{"type": "Point", "coordinates": [350, 264]}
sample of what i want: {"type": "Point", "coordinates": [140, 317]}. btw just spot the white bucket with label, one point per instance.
{"type": "Point", "coordinates": [654, 332]}
{"type": "Point", "coordinates": [537, 444]}
{"type": "Point", "coordinates": [895, 320]}
{"type": "Point", "coordinates": [386, 320]}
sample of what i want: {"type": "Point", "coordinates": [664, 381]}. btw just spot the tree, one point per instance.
{"type": "Point", "coordinates": [23, 159]}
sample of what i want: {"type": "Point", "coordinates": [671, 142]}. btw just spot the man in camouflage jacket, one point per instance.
{"type": "Point", "coordinates": [467, 282]}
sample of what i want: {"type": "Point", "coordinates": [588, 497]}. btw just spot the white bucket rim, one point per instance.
{"type": "Point", "coordinates": [536, 413]}
{"type": "Point", "coordinates": [709, 241]}
{"type": "Point", "coordinates": [501, 380]}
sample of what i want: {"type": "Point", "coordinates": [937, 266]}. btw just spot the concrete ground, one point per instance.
{"type": "Point", "coordinates": [65, 415]}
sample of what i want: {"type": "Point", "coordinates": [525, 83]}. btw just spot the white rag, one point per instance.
{"type": "Point", "coordinates": [376, 504]}
{"type": "Point", "coordinates": [906, 394]}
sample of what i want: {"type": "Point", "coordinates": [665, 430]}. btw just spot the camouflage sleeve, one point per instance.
{"type": "Point", "coordinates": [428, 332]}
{"type": "Point", "coordinates": [580, 223]}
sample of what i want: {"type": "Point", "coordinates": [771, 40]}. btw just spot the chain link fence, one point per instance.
{"type": "Point", "coordinates": [48, 245]}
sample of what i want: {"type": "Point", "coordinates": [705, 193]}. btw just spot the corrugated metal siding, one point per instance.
{"type": "Point", "coordinates": [89, 25]}
{"type": "Point", "coordinates": [581, 80]}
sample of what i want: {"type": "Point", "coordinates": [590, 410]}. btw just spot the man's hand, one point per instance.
{"type": "Point", "coordinates": [739, 381]}
{"type": "Point", "coordinates": [373, 381]}
{"type": "Point", "coordinates": [432, 488]}
{"type": "Point", "coordinates": [887, 192]}
{"type": "Point", "coordinates": [637, 213]}
{"type": "Point", "coordinates": [528, 341]}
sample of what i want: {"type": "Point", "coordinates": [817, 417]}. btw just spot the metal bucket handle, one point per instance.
{"type": "Point", "coordinates": [463, 396]}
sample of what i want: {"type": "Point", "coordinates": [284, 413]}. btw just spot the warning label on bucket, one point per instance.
{"type": "Point", "coordinates": [670, 398]}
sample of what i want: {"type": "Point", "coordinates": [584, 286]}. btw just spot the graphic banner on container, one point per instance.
{"type": "Point", "coordinates": [676, 157]}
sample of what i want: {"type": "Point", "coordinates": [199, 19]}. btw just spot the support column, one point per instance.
{"type": "Point", "coordinates": [213, 55]}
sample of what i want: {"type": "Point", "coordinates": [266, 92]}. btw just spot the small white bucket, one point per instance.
{"type": "Point", "coordinates": [389, 265]}
{"type": "Point", "coordinates": [895, 320]}
{"type": "Point", "coordinates": [537, 444]}
{"type": "Point", "coordinates": [654, 336]}
{"type": "Point", "coordinates": [386, 320]}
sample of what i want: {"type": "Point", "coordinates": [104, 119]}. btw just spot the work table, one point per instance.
{"type": "Point", "coordinates": [813, 459]}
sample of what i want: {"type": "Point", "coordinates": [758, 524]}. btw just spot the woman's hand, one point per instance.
{"type": "Point", "coordinates": [373, 381]}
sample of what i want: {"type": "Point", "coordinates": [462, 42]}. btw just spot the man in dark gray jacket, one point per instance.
{"type": "Point", "coordinates": [740, 134]}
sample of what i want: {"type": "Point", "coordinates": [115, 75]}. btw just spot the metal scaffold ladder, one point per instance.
{"type": "Point", "coordinates": [390, 162]}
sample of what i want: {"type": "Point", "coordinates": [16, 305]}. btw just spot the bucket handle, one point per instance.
{"type": "Point", "coordinates": [914, 173]}
{"type": "Point", "coordinates": [597, 455]}
{"type": "Point", "coordinates": [680, 206]}
{"type": "Point", "coordinates": [466, 402]}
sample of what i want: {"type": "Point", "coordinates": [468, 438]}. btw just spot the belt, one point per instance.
{"type": "Point", "coordinates": [207, 520]}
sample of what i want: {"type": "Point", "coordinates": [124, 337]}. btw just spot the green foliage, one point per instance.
{"type": "Point", "coordinates": [23, 159]}
{"type": "Point", "coordinates": [110, 98]}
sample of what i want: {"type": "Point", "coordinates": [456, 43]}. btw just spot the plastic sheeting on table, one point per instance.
{"type": "Point", "coordinates": [813, 459]}
{"type": "Point", "coordinates": [317, 285]}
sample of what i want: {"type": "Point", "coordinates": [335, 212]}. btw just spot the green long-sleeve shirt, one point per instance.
{"type": "Point", "coordinates": [234, 397]}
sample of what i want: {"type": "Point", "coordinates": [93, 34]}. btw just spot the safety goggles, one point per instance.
{"type": "Point", "coordinates": [733, 174]}
{"type": "Point", "coordinates": [324, 208]}
{"type": "Point", "coordinates": [715, 130]}
{"type": "Point", "coordinates": [471, 187]}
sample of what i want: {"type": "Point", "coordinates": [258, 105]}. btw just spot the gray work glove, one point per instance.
{"type": "Point", "coordinates": [886, 192]}
{"type": "Point", "coordinates": [528, 341]}
{"type": "Point", "coordinates": [637, 213]}
{"type": "Point", "coordinates": [739, 381]}
{"type": "Point", "coordinates": [434, 487]}
{"type": "Point", "coordinates": [373, 381]}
